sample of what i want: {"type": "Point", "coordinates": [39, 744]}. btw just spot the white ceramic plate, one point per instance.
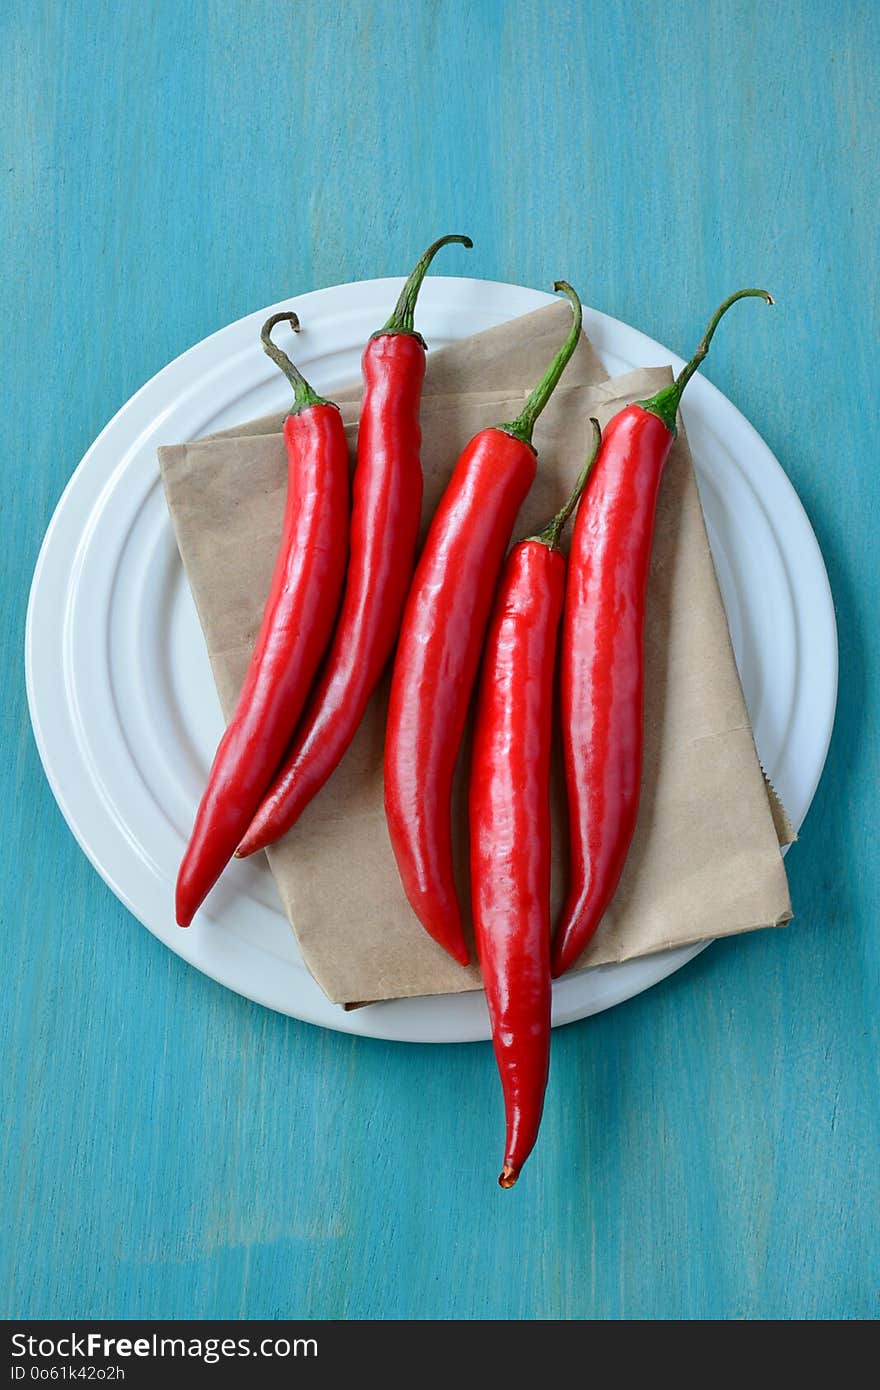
{"type": "Point", "coordinates": [125, 713]}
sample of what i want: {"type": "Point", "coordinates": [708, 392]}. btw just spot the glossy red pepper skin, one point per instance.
{"type": "Point", "coordinates": [444, 624]}
{"type": "Point", "coordinates": [384, 531]}
{"type": "Point", "coordinates": [438, 654]}
{"type": "Point", "coordinates": [509, 804]}
{"type": "Point", "coordinates": [602, 667]}
{"type": "Point", "coordinates": [603, 632]}
{"type": "Point", "coordinates": [386, 509]}
{"type": "Point", "coordinates": [296, 627]}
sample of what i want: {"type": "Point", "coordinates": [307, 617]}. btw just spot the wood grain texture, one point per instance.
{"type": "Point", "coordinates": [709, 1149]}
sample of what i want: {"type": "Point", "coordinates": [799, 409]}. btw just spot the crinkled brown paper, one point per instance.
{"type": "Point", "coordinates": [705, 859]}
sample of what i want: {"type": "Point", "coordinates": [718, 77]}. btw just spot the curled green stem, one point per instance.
{"type": "Point", "coordinates": [666, 402]}
{"type": "Point", "coordinates": [524, 424]}
{"type": "Point", "coordinates": [303, 394]}
{"type": "Point", "coordinates": [554, 529]}
{"type": "Point", "coordinates": [403, 318]}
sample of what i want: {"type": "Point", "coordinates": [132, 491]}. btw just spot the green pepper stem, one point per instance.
{"type": "Point", "coordinates": [403, 318]}
{"type": "Point", "coordinates": [523, 426]}
{"type": "Point", "coordinates": [303, 393]}
{"type": "Point", "coordinates": [666, 402]}
{"type": "Point", "coordinates": [554, 529]}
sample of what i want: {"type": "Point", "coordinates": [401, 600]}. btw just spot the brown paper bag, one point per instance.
{"type": "Point", "coordinates": [705, 859]}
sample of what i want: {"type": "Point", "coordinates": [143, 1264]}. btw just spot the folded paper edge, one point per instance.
{"type": "Point", "coordinates": [786, 916]}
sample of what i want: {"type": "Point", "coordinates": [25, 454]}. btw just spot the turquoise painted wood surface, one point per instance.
{"type": "Point", "coordinates": [710, 1149]}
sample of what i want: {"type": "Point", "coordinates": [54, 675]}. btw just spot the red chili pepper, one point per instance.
{"type": "Point", "coordinates": [510, 822]}
{"type": "Point", "coordinates": [386, 511]}
{"type": "Point", "coordinates": [439, 650]}
{"type": "Point", "coordinates": [296, 627]}
{"type": "Point", "coordinates": [603, 650]}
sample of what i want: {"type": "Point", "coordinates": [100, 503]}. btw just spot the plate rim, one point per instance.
{"type": "Point", "coordinates": [664, 963]}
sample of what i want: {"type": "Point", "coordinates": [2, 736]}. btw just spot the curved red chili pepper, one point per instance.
{"type": "Point", "coordinates": [386, 510]}
{"type": "Point", "coordinates": [296, 627]}
{"type": "Point", "coordinates": [509, 804]}
{"type": "Point", "coordinates": [603, 650]}
{"type": "Point", "coordinates": [438, 651]}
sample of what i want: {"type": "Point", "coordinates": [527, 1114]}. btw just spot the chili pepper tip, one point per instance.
{"type": "Point", "coordinates": [508, 1176]}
